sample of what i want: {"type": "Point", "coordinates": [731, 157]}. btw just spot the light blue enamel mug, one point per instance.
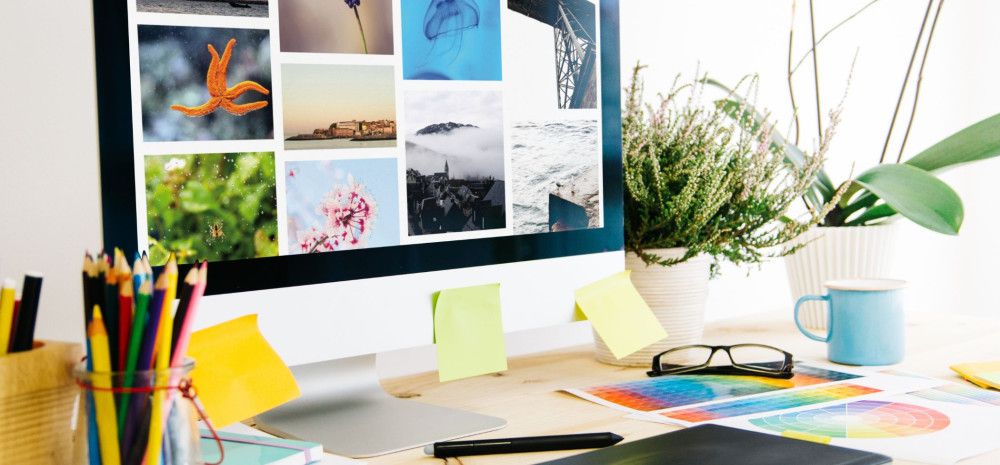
{"type": "Point", "coordinates": [865, 322]}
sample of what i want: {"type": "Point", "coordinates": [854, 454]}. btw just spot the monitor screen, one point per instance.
{"type": "Point", "coordinates": [298, 142]}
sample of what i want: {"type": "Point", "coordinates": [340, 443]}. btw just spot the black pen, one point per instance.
{"type": "Point", "coordinates": [526, 444]}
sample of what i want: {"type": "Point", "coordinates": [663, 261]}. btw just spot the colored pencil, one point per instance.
{"type": "Point", "coordinates": [24, 333]}
{"type": "Point", "coordinates": [135, 439]}
{"type": "Point", "coordinates": [181, 321]}
{"type": "Point", "coordinates": [13, 322]}
{"type": "Point", "coordinates": [110, 308]}
{"type": "Point", "coordinates": [159, 408]}
{"type": "Point", "coordinates": [7, 297]}
{"type": "Point", "coordinates": [125, 306]}
{"type": "Point", "coordinates": [105, 401]}
{"type": "Point", "coordinates": [91, 286]}
{"type": "Point", "coordinates": [135, 342]}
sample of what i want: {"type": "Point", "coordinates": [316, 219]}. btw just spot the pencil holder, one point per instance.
{"type": "Point", "coordinates": [144, 415]}
{"type": "Point", "coordinates": [37, 405]}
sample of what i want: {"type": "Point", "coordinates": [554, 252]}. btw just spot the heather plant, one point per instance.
{"type": "Point", "coordinates": [698, 179]}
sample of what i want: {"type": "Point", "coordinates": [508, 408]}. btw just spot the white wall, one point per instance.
{"type": "Point", "coordinates": [49, 191]}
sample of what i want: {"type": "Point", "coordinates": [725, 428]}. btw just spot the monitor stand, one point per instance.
{"type": "Point", "coordinates": [344, 407]}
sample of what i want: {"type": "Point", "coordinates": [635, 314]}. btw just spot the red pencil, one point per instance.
{"type": "Point", "coordinates": [125, 323]}
{"type": "Point", "coordinates": [125, 305]}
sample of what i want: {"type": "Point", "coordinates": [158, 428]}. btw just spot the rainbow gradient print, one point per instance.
{"type": "Point", "coordinates": [770, 403]}
{"type": "Point", "coordinates": [677, 391]}
{"type": "Point", "coordinates": [863, 419]}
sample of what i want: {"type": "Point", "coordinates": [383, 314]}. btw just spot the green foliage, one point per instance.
{"type": "Point", "coordinates": [695, 178]}
{"type": "Point", "coordinates": [211, 206]}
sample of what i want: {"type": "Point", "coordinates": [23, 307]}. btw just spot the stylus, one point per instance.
{"type": "Point", "coordinates": [527, 444]}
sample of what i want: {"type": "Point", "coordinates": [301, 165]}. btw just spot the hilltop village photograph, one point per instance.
{"type": "Point", "coordinates": [454, 162]}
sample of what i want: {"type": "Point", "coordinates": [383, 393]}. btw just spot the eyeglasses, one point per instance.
{"type": "Point", "coordinates": [745, 359]}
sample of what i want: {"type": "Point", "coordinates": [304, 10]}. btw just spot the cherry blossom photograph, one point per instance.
{"type": "Point", "coordinates": [341, 205]}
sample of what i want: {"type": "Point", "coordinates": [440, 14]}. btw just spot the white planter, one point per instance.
{"type": "Point", "coordinates": [677, 296]}
{"type": "Point", "coordinates": [837, 253]}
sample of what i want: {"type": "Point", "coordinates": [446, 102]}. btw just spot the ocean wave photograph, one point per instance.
{"type": "Point", "coordinates": [556, 183]}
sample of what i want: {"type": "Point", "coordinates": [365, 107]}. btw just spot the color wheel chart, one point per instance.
{"type": "Point", "coordinates": [863, 419]}
{"type": "Point", "coordinates": [769, 403]}
{"type": "Point", "coordinates": [677, 391]}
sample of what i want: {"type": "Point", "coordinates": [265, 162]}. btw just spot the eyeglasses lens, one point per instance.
{"type": "Point", "coordinates": [757, 356]}
{"type": "Point", "coordinates": [685, 356]}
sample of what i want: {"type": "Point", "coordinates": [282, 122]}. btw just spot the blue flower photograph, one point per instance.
{"type": "Point", "coordinates": [341, 205]}
{"type": "Point", "coordinates": [451, 40]}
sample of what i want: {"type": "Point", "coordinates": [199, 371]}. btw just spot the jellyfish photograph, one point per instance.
{"type": "Point", "coordinates": [212, 206]}
{"type": "Point", "coordinates": [451, 40]}
{"type": "Point", "coordinates": [550, 54]}
{"type": "Point", "coordinates": [341, 205]}
{"type": "Point", "coordinates": [201, 83]}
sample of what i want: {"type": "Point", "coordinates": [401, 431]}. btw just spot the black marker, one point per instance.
{"type": "Point", "coordinates": [527, 444]}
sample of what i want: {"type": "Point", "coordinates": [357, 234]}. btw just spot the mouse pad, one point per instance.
{"type": "Point", "coordinates": [721, 445]}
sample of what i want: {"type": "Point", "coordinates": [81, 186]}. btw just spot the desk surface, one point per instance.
{"type": "Point", "coordinates": [527, 394]}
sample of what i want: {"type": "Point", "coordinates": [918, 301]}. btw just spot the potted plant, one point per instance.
{"type": "Point", "coordinates": [854, 239]}
{"type": "Point", "coordinates": [699, 188]}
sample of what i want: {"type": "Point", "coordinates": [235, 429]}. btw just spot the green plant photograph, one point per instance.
{"type": "Point", "coordinates": [219, 206]}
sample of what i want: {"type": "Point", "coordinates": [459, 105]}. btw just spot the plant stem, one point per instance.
{"type": "Point", "coordinates": [791, 90]}
{"type": "Point", "coordinates": [828, 32]}
{"type": "Point", "coordinates": [815, 54]}
{"type": "Point", "coordinates": [920, 80]}
{"type": "Point", "coordinates": [364, 43]}
{"type": "Point", "coordinates": [906, 80]}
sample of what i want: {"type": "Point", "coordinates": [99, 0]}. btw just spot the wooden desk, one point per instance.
{"type": "Point", "coordinates": [527, 394]}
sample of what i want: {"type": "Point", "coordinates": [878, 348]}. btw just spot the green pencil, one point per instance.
{"type": "Point", "coordinates": [135, 341]}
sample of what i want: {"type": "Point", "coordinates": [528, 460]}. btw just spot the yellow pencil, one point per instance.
{"type": "Point", "coordinates": [104, 401]}
{"type": "Point", "coordinates": [7, 298]}
{"type": "Point", "coordinates": [163, 336]}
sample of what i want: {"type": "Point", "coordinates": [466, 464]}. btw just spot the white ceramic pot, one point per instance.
{"type": "Point", "coordinates": [837, 253]}
{"type": "Point", "coordinates": [677, 296]}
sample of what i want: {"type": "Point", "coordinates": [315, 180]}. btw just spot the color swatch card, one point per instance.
{"type": "Point", "coordinates": [664, 392]}
{"type": "Point", "coordinates": [820, 394]}
{"type": "Point", "coordinates": [468, 332]}
{"type": "Point", "coordinates": [618, 314]}
{"type": "Point", "coordinates": [960, 394]}
{"type": "Point", "coordinates": [901, 426]}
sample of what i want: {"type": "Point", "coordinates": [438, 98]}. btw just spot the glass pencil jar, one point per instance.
{"type": "Point", "coordinates": [143, 417]}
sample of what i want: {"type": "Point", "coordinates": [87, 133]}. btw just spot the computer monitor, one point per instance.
{"type": "Point", "coordinates": [339, 162]}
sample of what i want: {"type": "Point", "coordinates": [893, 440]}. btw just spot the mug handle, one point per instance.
{"type": "Point", "coordinates": [829, 326]}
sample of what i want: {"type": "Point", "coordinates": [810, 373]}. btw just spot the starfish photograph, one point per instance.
{"type": "Point", "coordinates": [221, 95]}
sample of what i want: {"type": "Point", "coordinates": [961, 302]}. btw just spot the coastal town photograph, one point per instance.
{"type": "Point", "coordinates": [338, 106]}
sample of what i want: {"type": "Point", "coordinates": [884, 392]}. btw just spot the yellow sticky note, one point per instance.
{"type": "Point", "coordinates": [468, 331]}
{"type": "Point", "coordinates": [618, 313]}
{"type": "Point", "coordinates": [982, 374]}
{"type": "Point", "coordinates": [237, 373]}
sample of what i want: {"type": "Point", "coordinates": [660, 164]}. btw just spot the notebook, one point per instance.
{"type": "Point", "coordinates": [721, 445]}
{"type": "Point", "coordinates": [242, 449]}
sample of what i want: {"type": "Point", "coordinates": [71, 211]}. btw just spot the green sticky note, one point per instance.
{"type": "Point", "coordinates": [618, 313]}
{"type": "Point", "coordinates": [468, 331]}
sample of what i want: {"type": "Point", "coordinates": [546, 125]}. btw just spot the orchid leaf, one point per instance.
{"type": "Point", "coordinates": [979, 141]}
{"type": "Point", "coordinates": [875, 213]}
{"type": "Point", "coordinates": [916, 194]}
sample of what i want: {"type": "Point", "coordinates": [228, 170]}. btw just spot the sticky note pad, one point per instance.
{"type": "Point", "coordinates": [982, 374]}
{"type": "Point", "coordinates": [619, 315]}
{"type": "Point", "coordinates": [468, 332]}
{"type": "Point", "coordinates": [237, 373]}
